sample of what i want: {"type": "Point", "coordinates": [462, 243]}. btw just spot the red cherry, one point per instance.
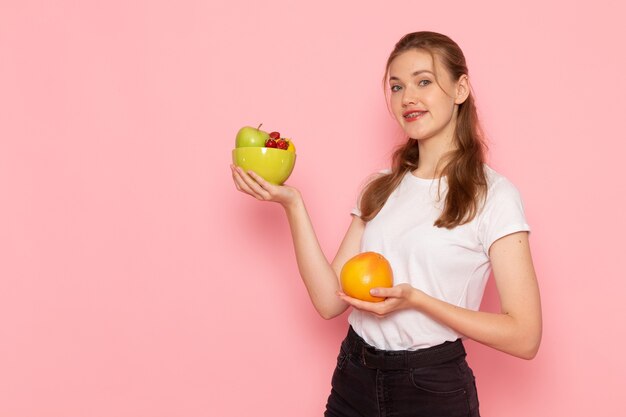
{"type": "Point", "coordinates": [275, 135]}
{"type": "Point", "coordinates": [270, 143]}
{"type": "Point", "coordinates": [282, 144]}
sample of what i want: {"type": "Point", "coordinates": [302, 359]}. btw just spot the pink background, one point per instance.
{"type": "Point", "coordinates": [136, 281]}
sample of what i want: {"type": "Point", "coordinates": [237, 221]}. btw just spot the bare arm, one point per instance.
{"type": "Point", "coordinates": [319, 276]}
{"type": "Point", "coordinates": [515, 330]}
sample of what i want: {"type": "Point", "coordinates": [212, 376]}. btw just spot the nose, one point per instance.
{"type": "Point", "coordinates": [409, 96]}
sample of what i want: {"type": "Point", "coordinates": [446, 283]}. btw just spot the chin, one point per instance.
{"type": "Point", "coordinates": [416, 135]}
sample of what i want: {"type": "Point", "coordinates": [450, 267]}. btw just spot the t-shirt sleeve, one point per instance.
{"type": "Point", "coordinates": [356, 210]}
{"type": "Point", "coordinates": [502, 214]}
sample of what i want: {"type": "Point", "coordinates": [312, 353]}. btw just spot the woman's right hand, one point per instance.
{"type": "Point", "coordinates": [253, 184]}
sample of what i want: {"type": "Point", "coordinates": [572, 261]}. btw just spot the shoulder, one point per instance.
{"type": "Point", "coordinates": [499, 186]}
{"type": "Point", "coordinates": [502, 194]}
{"type": "Point", "coordinates": [380, 173]}
{"type": "Point", "coordinates": [374, 176]}
{"type": "Point", "coordinates": [503, 212]}
{"type": "Point", "coordinates": [366, 182]}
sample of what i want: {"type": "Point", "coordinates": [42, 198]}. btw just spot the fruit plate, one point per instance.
{"type": "Point", "coordinates": [274, 165]}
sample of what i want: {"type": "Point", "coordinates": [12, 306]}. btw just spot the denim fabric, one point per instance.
{"type": "Point", "coordinates": [443, 390]}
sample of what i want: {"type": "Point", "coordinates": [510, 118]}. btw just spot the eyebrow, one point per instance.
{"type": "Point", "coordinates": [412, 75]}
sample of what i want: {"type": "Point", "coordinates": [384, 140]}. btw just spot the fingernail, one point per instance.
{"type": "Point", "coordinates": [374, 291]}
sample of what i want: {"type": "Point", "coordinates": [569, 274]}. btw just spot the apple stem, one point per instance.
{"type": "Point", "coordinates": [259, 128]}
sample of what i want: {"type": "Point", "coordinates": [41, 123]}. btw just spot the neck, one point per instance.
{"type": "Point", "coordinates": [432, 152]}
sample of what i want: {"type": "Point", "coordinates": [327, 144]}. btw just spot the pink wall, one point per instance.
{"type": "Point", "coordinates": [136, 281]}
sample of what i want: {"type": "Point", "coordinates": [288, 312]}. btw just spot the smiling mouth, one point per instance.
{"type": "Point", "coordinates": [409, 117]}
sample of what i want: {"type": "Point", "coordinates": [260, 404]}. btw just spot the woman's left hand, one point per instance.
{"type": "Point", "coordinates": [399, 297]}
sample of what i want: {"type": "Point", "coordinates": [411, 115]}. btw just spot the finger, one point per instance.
{"type": "Point", "coordinates": [239, 182]}
{"type": "Point", "coordinates": [261, 181]}
{"type": "Point", "coordinates": [384, 292]}
{"type": "Point", "coordinates": [355, 302]}
{"type": "Point", "coordinates": [247, 184]}
{"type": "Point", "coordinates": [346, 298]}
{"type": "Point", "coordinates": [235, 179]}
{"type": "Point", "coordinates": [243, 185]}
{"type": "Point", "coordinates": [254, 185]}
{"type": "Point", "coordinates": [264, 184]}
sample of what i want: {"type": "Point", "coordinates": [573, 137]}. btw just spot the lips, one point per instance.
{"type": "Point", "coordinates": [413, 115]}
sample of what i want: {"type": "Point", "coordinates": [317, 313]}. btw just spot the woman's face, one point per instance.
{"type": "Point", "coordinates": [422, 108]}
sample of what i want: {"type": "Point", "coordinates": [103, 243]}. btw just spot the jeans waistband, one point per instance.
{"type": "Point", "coordinates": [403, 359]}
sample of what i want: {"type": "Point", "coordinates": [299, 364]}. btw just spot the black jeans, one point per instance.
{"type": "Point", "coordinates": [433, 382]}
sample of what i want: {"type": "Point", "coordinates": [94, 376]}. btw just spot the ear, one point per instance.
{"type": "Point", "coordinates": [462, 89]}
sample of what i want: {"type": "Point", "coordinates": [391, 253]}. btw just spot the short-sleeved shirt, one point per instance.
{"type": "Point", "coordinates": [449, 264]}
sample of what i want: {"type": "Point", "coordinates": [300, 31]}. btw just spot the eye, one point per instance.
{"type": "Point", "coordinates": [395, 88]}
{"type": "Point", "coordinates": [424, 83]}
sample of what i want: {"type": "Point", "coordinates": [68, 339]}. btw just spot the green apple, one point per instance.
{"type": "Point", "coordinates": [251, 137]}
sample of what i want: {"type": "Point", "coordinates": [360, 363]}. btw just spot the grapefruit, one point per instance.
{"type": "Point", "coordinates": [363, 272]}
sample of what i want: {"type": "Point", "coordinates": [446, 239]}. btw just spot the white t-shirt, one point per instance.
{"type": "Point", "coordinates": [451, 265]}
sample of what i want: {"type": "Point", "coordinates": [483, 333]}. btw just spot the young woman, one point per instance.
{"type": "Point", "coordinates": [445, 220]}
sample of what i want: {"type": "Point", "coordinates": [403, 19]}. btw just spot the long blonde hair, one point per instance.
{"type": "Point", "coordinates": [467, 183]}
